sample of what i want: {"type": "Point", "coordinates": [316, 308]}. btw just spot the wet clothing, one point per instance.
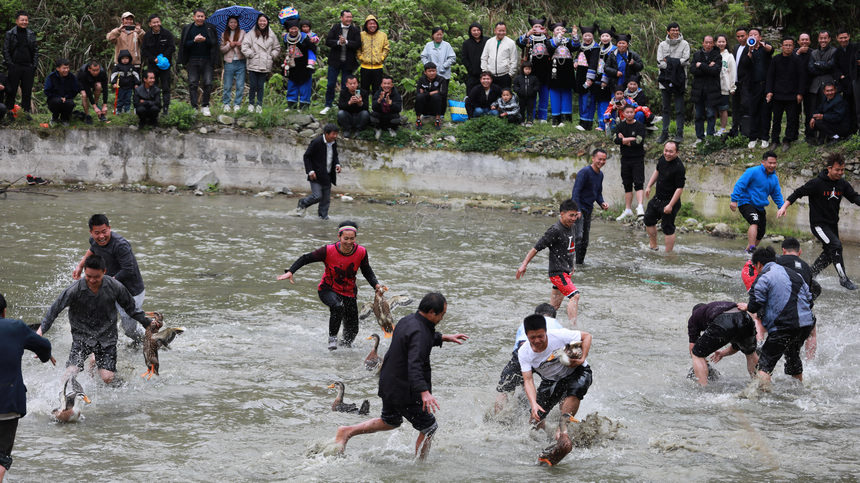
{"type": "Point", "coordinates": [755, 216]}
{"type": "Point", "coordinates": [550, 393]}
{"type": "Point", "coordinates": [587, 189]}
{"type": "Point", "coordinates": [754, 187]}
{"type": "Point", "coordinates": [340, 269]}
{"type": "Point", "coordinates": [405, 372]}
{"type": "Point", "coordinates": [120, 262]}
{"type": "Point", "coordinates": [105, 355]}
{"type": "Point", "coordinates": [393, 414]}
{"type": "Point", "coordinates": [8, 428]}
{"type": "Point", "coordinates": [341, 309]}
{"type": "Point", "coordinates": [15, 336]}
{"type": "Point", "coordinates": [564, 284]}
{"type": "Point", "coordinates": [781, 298]}
{"type": "Point", "coordinates": [798, 265]}
{"type": "Point", "coordinates": [553, 370]}
{"type": "Point", "coordinates": [92, 316]}
{"type": "Point", "coordinates": [561, 243]}
{"type": "Point", "coordinates": [671, 175]}
{"type": "Point", "coordinates": [784, 342]}
{"type": "Point", "coordinates": [825, 196]}
{"type": "Point", "coordinates": [702, 317]}
{"type": "Point", "coordinates": [716, 324]}
{"type": "Point", "coordinates": [654, 212]}
{"type": "Point", "coordinates": [512, 375]}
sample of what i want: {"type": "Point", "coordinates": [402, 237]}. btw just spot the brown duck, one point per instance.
{"type": "Point", "coordinates": [339, 406]}
{"type": "Point", "coordinates": [68, 412]}
{"type": "Point", "coordinates": [155, 339]}
{"type": "Point", "coordinates": [381, 308]}
{"type": "Point", "coordinates": [373, 360]}
{"type": "Point", "coordinates": [553, 454]}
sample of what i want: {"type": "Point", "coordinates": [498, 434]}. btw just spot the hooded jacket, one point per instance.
{"type": "Point", "coordinates": [825, 195]}
{"type": "Point", "coordinates": [677, 48]}
{"type": "Point", "coordinates": [124, 74]}
{"type": "Point", "coordinates": [260, 52]}
{"type": "Point", "coordinates": [374, 47]}
{"type": "Point", "coordinates": [470, 52]}
{"type": "Point", "coordinates": [128, 40]}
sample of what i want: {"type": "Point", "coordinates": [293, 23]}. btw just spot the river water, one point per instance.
{"type": "Point", "coordinates": [243, 394]}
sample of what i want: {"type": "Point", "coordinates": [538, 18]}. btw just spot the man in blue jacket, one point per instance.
{"type": "Point", "coordinates": [404, 380]}
{"type": "Point", "coordinates": [61, 88]}
{"type": "Point", "coordinates": [750, 197]}
{"type": "Point", "coordinates": [15, 336]}
{"type": "Point", "coordinates": [783, 301]}
{"type": "Point", "coordinates": [587, 189]}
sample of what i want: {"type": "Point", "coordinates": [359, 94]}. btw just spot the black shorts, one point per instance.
{"type": "Point", "coordinates": [784, 342]}
{"type": "Point", "coordinates": [551, 393]}
{"type": "Point", "coordinates": [654, 212]}
{"type": "Point", "coordinates": [755, 216]}
{"type": "Point", "coordinates": [632, 174]}
{"type": "Point", "coordinates": [512, 374]}
{"type": "Point", "coordinates": [8, 428]}
{"type": "Point", "coordinates": [736, 328]}
{"type": "Point", "coordinates": [393, 414]}
{"type": "Point", "coordinates": [105, 356]}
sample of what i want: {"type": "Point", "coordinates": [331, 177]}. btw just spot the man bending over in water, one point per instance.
{"type": "Point", "coordinates": [714, 325]}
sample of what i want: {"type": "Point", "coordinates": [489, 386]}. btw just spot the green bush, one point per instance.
{"type": "Point", "coordinates": [711, 144]}
{"type": "Point", "coordinates": [486, 134]}
{"type": "Point", "coordinates": [852, 145]}
{"type": "Point", "coordinates": [739, 141]}
{"type": "Point", "coordinates": [181, 116]}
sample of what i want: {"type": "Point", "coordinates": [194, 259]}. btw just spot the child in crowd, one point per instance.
{"type": "Point", "coordinates": [526, 87]}
{"type": "Point", "coordinates": [614, 111]}
{"type": "Point", "coordinates": [638, 96]}
{"type": "Point", "coordinates": [305, 26]}
{"type": "Point", "coordinates": [124, 79]}
{"type": "Point", "coordinates": [508, 106]}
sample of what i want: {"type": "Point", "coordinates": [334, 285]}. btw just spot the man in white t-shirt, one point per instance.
{"type": "Point", "coordinates": [559, 383]}
{"type": "Point", "coordinates": [512, 375]}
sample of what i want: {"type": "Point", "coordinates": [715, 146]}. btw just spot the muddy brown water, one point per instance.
{"type": "Point", "coordinates": [243, 396]}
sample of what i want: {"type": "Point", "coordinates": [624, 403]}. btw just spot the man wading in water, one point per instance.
{"type": "Point", "coordinates": [337, 289]}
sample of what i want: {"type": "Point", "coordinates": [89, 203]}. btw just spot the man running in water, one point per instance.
{"type": "Point", "coordinates": [337, 289]}
{"type": "Point", "coordinates": [560, 239]}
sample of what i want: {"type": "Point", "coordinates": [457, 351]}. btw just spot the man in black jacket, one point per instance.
{"type": "Point", "coordinates": [786, 79]}
{"type": "Point", "coordinates": [483, 96]}
{"type": "Point", "coordinates": [803, 52]}
{"type": "Point", "coordinates": [846, 61]}
{"type": "Point", "coordinates": [404, 380]}
{"type": "Point", "coordinates": [60, 89]}
{"type": "Point", "coordinates": [343, 41]}
{"type": "Point", "coordinates": [830, 119]}
{"type": "Point", "coordinates": [352, 114]}
{"type": "Point", "coordinates": [752, 74]}
{"type": "Point", "coordinates": [322, 166]}
{"type": "Point", "coordinates": [93, 82]}
{"type": "Point", "coordinates": [821, 68]}
{"type": "Point", "coordinates": [630, 136]}
{"type": "Point", "coordinates": [738, 111]}
{"type": "Point", "coordinates": [21, 54]}
{"type": "Point", "coordinates": [147, 101]}
{"type": "Point", "coordinates": [159, 41]}
{"type": "Point", "coordinates": [705, 68]}
{"type": "Point", "coordinates": [387, 105]}
{"type": "Point", "coordinates": [470, 55]}
{"type": "Point", "coordinates": [198, 50]}
{"type": "Point", "coordinates": [825, 193]}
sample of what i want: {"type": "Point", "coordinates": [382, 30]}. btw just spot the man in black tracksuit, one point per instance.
{"type": "Point", "coordinates": [404, 380]}
{"type": "Point", "coordinates": [93, 81]}
{"type": "Point", "coordinates": [158, 41]}
{"type": "Point", "coordinates": [825, 193]}
{"type": "Point", "coordinates": [846, 62]}
{"type": "Point", "coordinates": [470, 55]}
{"type": "Point", "coordinates": [752, 73]}
{"type": "Point", "coordinates": [705, 94]}
{"type": "Point", "coordinates": [803, 53]}
{"type": "Point", "coordinates": [21, 53]}
{"type": "Point", "coordinates": [786, 79]}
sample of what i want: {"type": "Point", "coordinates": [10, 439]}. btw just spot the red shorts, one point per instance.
{"type": "Point", "coordinates": [564, 284]}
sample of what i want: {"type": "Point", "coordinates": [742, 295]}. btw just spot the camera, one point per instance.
{"type": "Point", "coordinates": [751, 41]}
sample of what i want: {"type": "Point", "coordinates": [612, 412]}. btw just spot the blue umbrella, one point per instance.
{"type": "Point", "coordinates": [247, 18]}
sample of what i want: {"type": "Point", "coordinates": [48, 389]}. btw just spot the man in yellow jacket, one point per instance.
{"type": "Point", "coordinates": [373, 52]}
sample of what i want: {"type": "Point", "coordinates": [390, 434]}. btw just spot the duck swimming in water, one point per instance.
{"type": "Point", "coordinates": [381, 308]}
{"type": "Point", "coordinates": [68, 412]}
{"type": "Point", "coordinates": [373, 360]}
{"type": "Point", "coordinates": [567, 353]}
{"type": "Point", "coordinates": [154, 339]}
{"type": "Point", "coordinates": [339, 406]}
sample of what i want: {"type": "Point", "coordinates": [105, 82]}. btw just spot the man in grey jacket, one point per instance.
{"type": "Point", "coordinates": [674, 47]}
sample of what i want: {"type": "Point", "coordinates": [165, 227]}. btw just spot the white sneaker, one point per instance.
{"type": "Point", "coordinates": [764, 143]}
{"type": "Point", "coordinates": [697, 141]}
{"type": "Point", "coordinates": [640, 211]}
{"type": "Point", "coordinates": [561, 124]}
{"type": "Point", "coordinates": [657, 119]}
{"type": "Point", "coordinates": [542, 121]}
{"type": "Point", "coordinates": [325, 110]}
{"type": "Point", "coordinates": [580, 128]}
{"type": "Point", "coordinates": [259, 109]}
{"type": "Point", "coordinates": [392, 132]}
{"type": "Point", "coordinates": [751, 145]}
{"type": "Point", "coordinates": [287, 110]}
{"type": "Point", "coordinates": [720, 132]}
{"type": "Point", "coordinates": [299, 211]}
{"type": "Point", "coordinates": [205, 110]}
{"type": "Point", "coordinates": [227, 108]}
{"type": "Point", "coordinates": [624, 214]}
{"type": "Point", "coordinates": [377, 134]}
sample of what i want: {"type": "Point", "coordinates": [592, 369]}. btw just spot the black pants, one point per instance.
{"type": "Point", "coordinates": [472, 81]}
{"type": "Point", "coordinates": [826, 130]}
{"type": "Point", "coordinates": [757, 120]}
{"type": "Point", "coordinates": [832, 253]}
{"type": "Point", "coordinates": [792, 120]}
{"type": "Point", "coordinates": [382, 120]}
{"type": "Point", "coordinates": [809, 103]}
{"type": "Point", "coordinates": [341, 309]}
{"type": "Point", "coordinates": [147, 114]}
{"type": "Point", "coordinates": [371, 79]}
{"type": "Point", "coordinates": [355, 121]}
{"type": "Point", "coordinates": [738, 110]}
{"type": "Point", "coordinates": [20, 76]}
{"type": "Point", "coordinates": [60, 109]}
{"type": "Point", "coordinates": [583, 230]}
{"type": "Point", "coordinates": [502, 81]}
{"type": "Point", "coordinates": [427, 105]}
{"type": "Point", "coordinates": [162, 80]}
{"type": "Point", "coordinates": [527, 107]}
{"type": "Point", "coordinates": [199, 70]}
{"type": "Point", "coordinates": [8, 428]}
{"type": "Point", "coordinates": [668, 95]}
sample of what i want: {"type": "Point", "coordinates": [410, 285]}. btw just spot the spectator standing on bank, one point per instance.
{"type": "Point", "coordinates": [846, 58]}
{"type": "Point", "coordinates": [673, 57]}
{"type": "Point", "coordinates": [343, 41]}
{"type": "Point", "coordinates": [159, 42]}
{"type": "Point", "coordinates": [753, 69]}
{"type": "Point", "coordinates": [20, 53]}
{"type": "Point", "coordinates": [352, 115]}
{"type": "Point", "coordinates": [387, 105]}
{"type": "Point", "coordinates": [147, 101]}
{"type": "Point", "coordinates": [321, 165]}
{"type": "Point", "coordinates": [500, 57]}
{"type": "Point", "coordinates": [705, 94]}
{"type": "Point", "coordinates": [604, 86]}
{"type": "Point", "coordinates": [261, 47]}
{"type": "Point", "coordinates": [526, 86]}
{"type": "Point", "coordinates": [588, 189]}
{"type": "Point", "coordinates": [536, 48]}
{"type": "Point", "coordinates": [430, 96]}
{"type": "Point", "coordinates": [372, 55]}
{"type": "Point", "coordinates": [822, 69]}
{"type": "Point", "coordinates": [728, 73]}
{"type": "Point", "coordinates": [562, 76]}
{"type": "Point", "coordinates": [586, 64]}
{"type": "Point", "coordinates": [93, 81]}
{"type": "Point", "coordinates": [298, 48]}
{"type": "Point", "coordinates": [198, 50]}
{"type": "Point", "coordinates": [470, 55]}
{"type": "Point", "coordinates": [234, 65]}
{"type": "Point", "coordinates": [61, 88]}
{"type": "Point", "coordinates": [127, 36]}
{"type": "Point", "coordinates": [123, 79]}
{"type": "Point", "coordinates": [830, 120]}
{"type": "Point", "coordinates": [625, 65]}
{"type": "Point", "coordinates": [803, 53]}
{"type": "Point", "coordinates": [786, 79]}
{"type": "Point", "coordinates": [440, 53]}
{"type": "Point", "coordinates": [738, 111]}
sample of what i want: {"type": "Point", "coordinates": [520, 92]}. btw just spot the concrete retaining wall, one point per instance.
{"type": "Point", "coordinates": [258, 162]}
